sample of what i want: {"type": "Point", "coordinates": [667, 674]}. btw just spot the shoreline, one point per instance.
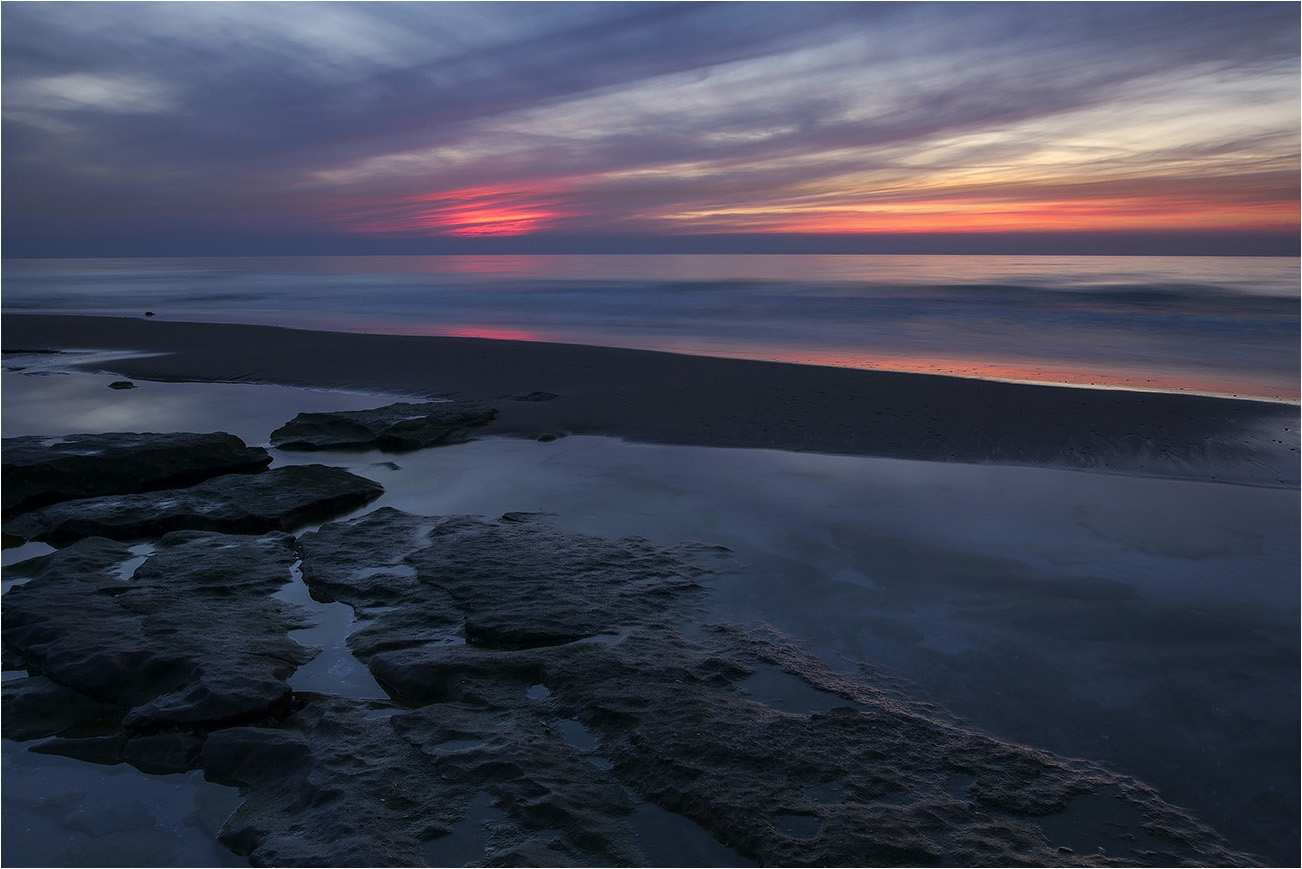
{"type": "Point", "coordinates": [667, 398]}
{"type": "Point", "coordinates": [1066, 588]}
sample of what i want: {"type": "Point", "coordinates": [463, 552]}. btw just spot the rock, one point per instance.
{"type": "Point", "coordinates": [555, 734]}
{"type": "Point", "coordinates": [122, 384]}
{"type": "Point", "coordinates": [278, 500]}
{"type": "Point", "coordinates": [194, 638]}
{"type": "Point", "coordinates": [163, 753]}
{"type": "Point", "coordinates": [669, 723]}
{"type": "Point", "coordinates": [38, 471]}
{"type": "Point", "coordinates": [522, 583]}
{"type": "Point", "coordinates": [394, 428]}
{"type": "Point", "coordinates": [511, 583]}
{"type": "Point", "coordinates": [104, 750]}
{"type": "Point", "coordinates": [543, 747]}
{"type": "Point", "coordinates": [36, 706]}
{"type": "Point", "coordinates": [251, 755]}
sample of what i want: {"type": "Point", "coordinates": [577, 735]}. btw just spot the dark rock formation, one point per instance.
{"type": "Point", "coordinates": [596, 690]}
{"type": "Point", "coordinates": [591, 697]}
{"type": "Point", "coordinates": [660, 718]}
{"type": "Point", "coordinates": [45, 470]}
{"type": "Point", "coordinates": [278, 500]}
{"type": "Point", "coordinates": [510, 583]}
{"type": "Point", "coordinates": [193, 638]}
{"type": "Point", "coordinates": [122, 384]}
{"type": "Point", "coordinates": [36, 706]}
{"type": "Point", "coordinates": [394, 428]}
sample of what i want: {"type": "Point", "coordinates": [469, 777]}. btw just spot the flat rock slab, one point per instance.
{"type": "Point", "coordinates": [38, 471]}
{"type": "Point", "coordinates": [393, 428]}
{"type": "Point", "coordinates": [192, 638]}
{"type": "Point", "coordinates": [595, 690]}
{"type": "Point", "coordinates": [512, 582]}
{"type": "Point", "coordinates": [278, 500]}
{"type": "Point", "coordinates": [605, 723]}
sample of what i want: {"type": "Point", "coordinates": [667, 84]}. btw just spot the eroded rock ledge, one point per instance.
{"type": "Point", "coordinates": [394, 428]}
{"type": "Point", "coordinates": [45, 470]}
{"type": "Point", "coordinates": [282, 499]}
{"type": "Point", "coordinates": [192, 639]}
{"type": "Point", "coordinates": [545, 688]}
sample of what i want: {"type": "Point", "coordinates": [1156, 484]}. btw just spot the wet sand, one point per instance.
{"type": "Point", "coordinates": [677, 399]}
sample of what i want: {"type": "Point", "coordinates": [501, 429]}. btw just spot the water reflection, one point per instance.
{"type": "Point", "coordinates": [64, 812]}
{"type": "Point", "coordinates": [45, 395]}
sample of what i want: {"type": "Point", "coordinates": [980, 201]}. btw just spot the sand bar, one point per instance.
{"type": "Point", "coordinates": [678, 399]}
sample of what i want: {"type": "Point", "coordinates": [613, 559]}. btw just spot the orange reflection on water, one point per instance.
{"type": "Point", "coordinates": [1032, 372]}
{"type": "Point", "coordinates": [496, 333]}
{"type": "Point", "coordinates": [1048, 374]}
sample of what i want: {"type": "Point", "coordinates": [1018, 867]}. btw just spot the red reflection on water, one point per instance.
{"type": "Point", "coordinates": [497, 333]}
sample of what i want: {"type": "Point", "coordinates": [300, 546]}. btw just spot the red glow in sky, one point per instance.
{"type": "Point", "coordinates": [468, 213]}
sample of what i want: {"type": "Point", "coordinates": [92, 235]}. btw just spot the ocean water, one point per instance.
{"type": "Point", "coordinates": [1214, 325]}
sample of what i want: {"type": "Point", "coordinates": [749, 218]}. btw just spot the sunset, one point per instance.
{"type": "Point", "coordinates": [196, 129]}
{"type": "Point", "coordinates": [716, 434]}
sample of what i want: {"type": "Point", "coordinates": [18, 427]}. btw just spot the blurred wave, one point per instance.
{"type": "Point", "coordinates": [1206, 324]}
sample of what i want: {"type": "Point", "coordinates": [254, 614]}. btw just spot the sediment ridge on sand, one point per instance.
{"type": "Point", "coordinates": [550, 390]}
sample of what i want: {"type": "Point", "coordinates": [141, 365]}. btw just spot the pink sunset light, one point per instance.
{"type": "Point", "coordinates": [471, 212]}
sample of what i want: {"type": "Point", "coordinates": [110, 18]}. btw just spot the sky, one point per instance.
{"type": "Point", "coordinates": [188, 128]}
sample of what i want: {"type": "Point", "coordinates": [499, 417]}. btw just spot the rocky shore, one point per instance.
{"type": "Point", "coordinates": [547, 690]}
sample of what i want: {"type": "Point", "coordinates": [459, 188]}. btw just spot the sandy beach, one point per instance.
{"type": "Point", "coordinates": [677, 399]}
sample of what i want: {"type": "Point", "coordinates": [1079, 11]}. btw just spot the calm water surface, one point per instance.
{"type": "Point", "coordinates": [1220, 325]}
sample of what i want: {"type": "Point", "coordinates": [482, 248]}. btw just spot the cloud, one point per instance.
{"type": "Point", "coordinates": [608, 117]}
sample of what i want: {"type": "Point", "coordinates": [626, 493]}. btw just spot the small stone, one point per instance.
{"type": "Point", "coordinates": [122, 384]}
{"type": "Point", "coordinates": [1063, 849]}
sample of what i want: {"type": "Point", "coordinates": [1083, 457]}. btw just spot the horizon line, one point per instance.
{"type": "Point", "coordinates": [1098, 243]}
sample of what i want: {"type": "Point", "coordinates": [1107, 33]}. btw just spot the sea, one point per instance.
{"type": "Point", "coordinates": [1146, 624]}
{"type": "Point", "coordinates": [1211, 325]}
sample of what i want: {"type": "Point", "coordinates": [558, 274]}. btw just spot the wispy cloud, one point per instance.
{"type": "Point", "coordinates": [482, 118]}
